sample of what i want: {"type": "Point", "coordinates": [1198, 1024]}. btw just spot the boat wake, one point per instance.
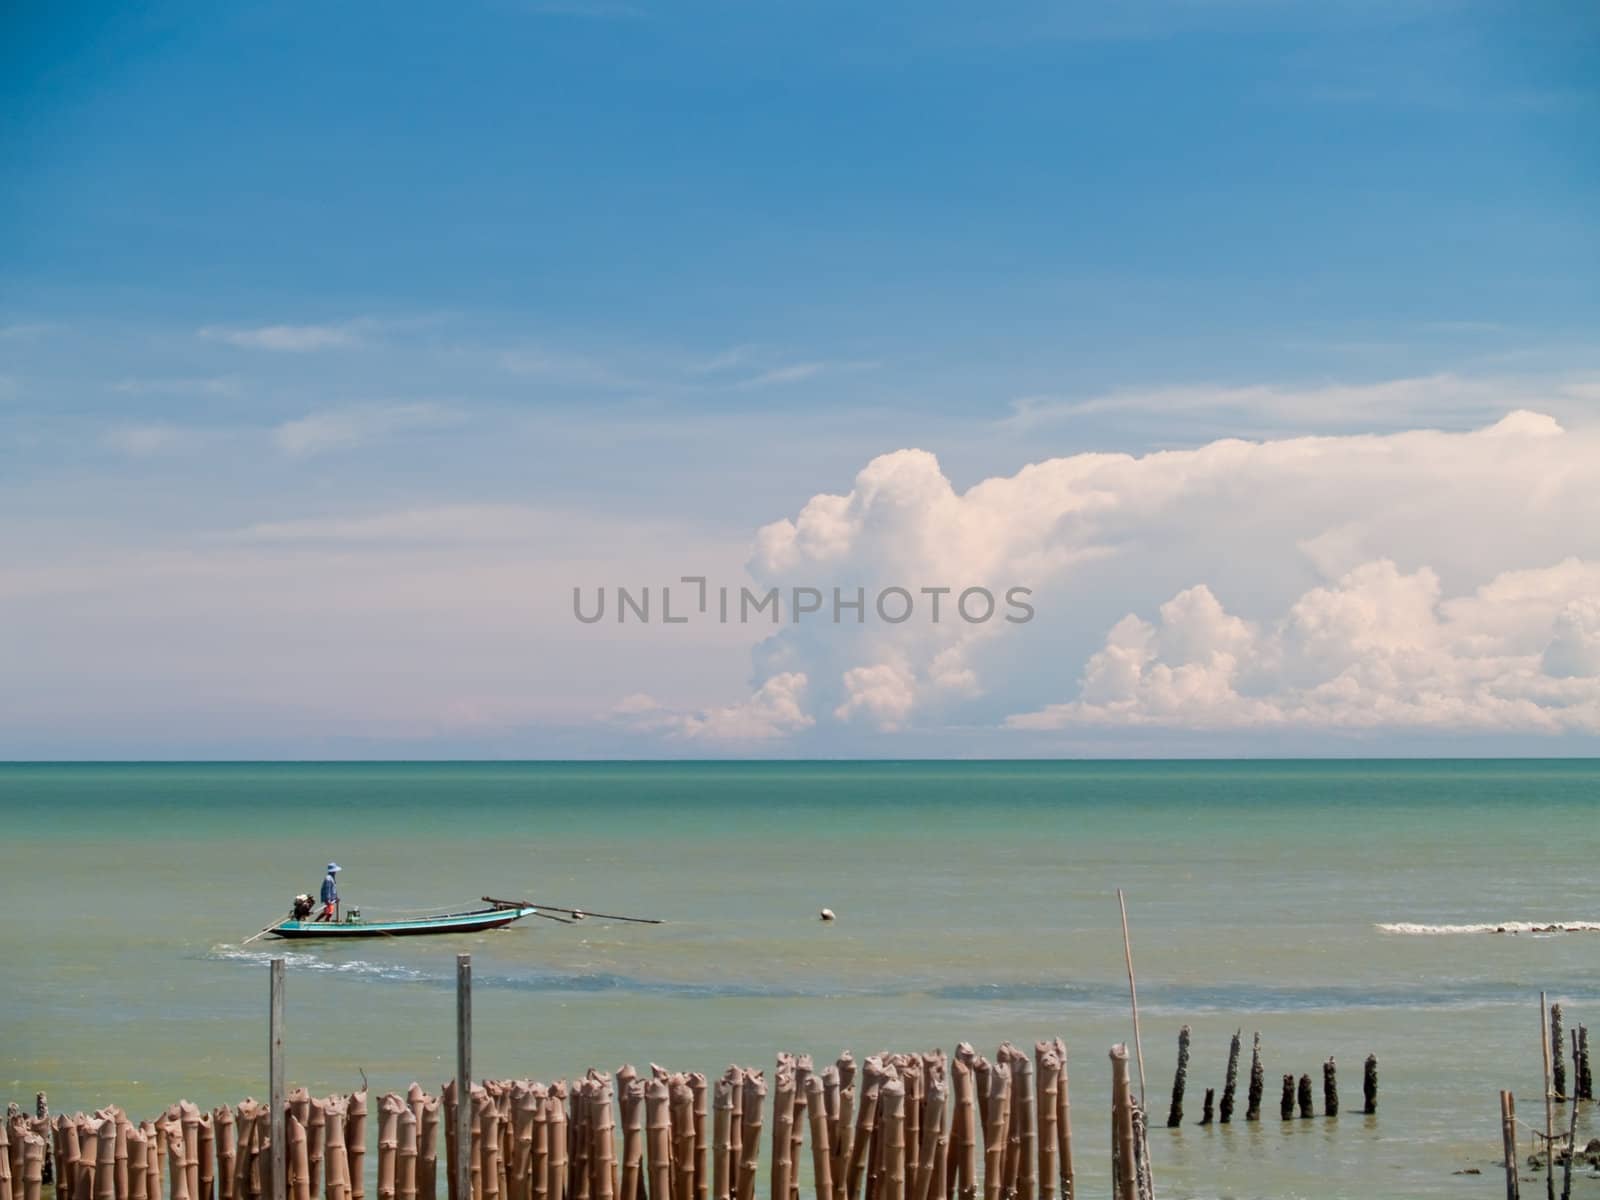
{"type": "Point", "coordinates": [311, 962]}
{"type": "Point", "coordinates": [1416, 930]}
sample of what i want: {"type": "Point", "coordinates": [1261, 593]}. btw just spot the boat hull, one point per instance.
{"type": "Point", "coordinates": [470, 922]}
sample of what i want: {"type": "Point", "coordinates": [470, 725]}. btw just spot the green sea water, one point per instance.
{"type": "Point", "coordinates": [1338, 908]}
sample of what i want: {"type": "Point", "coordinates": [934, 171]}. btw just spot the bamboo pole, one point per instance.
{"type": "Point", "coordinates": [105, 1166]}
{"type": "Point", "coordinates": [1047, 1081]}
{"type": "Point", "coordinates": [893, 1099]}
{"type": "Point", "coordinates": [355, 1144]}
{"type": "Point", "coordinates": [539, 1184]}
{"type": "Point", "coordinates": [428, 1149]}
{"type": "Point", "coordinates": [406, 1157]}
{"type": "Point", "coordinates": [1258, 1081]}
{"type": "Point", "coordinates": [658, 1140]}
{"type": "Point", "coordinates": [461, 1168]}
{"type": "Point", "coordinates": [178, 1167]}
{"type": "Point", "coordinates": [699, 1091]}
{"type": "Point", "coordinates": [866, 1123]}
{"type": "Point", "coordinates": [821, 1145]}
{"type": "Point", "coordinates": [782, 1128]}
{"type": "Point", "coordinates": [1022, 1100]}
{"type": "Point", "coordinates": [120, 1150]}
{"type": "Point", "coordinates": [735, 1076]}
{"type": "Point", "coordinates": [1064, 1128]}
{"type": "Point", "coordinates": [997, 1123]}
{"type": "Point", "coordinates": [277, 1169]}
{"type": "Point", "coordinates": [32, 1166]}
{"type": "Point", "coordinates": [296, 1160]}
{"type": "Point", "coordinates": [1133, 992]}
{"type": "Point", "coordinates": [578, 1143]}
{"type": "Point", "coordinates": [390, 1106]}
{"type": "Point", "coordinates": [138, 1175]}
{"type": "Point", "coordinates": [520, 1171]}
{"type": "Point", "coordinates": [721, 1123]}
{"type": "Point", "coordinates": [448, 1102]}
{"type": "Point", "coordinates": [930, 1154]}
{"type": "Point", "coordinates": [316, 1144]}
{"type": "Point", "coordinates": [681, 1109]}
{"type": "Point", "coordinates": [556, 1126]}
{"type": "Point", "coordinates": [336, 1157]}
{"type": "Point", "coordinates": [961, 1177]}
{"type": "Point", "coordinates": [844, 1131]}
{"type": "Point", "coordinates": [755, 1093]}
{"type": "Point", "coordinates": [1125, 1174]}
{"type": "Point", "coordinates": [630, 1091]}
{"type": "Point", "coordinates": [604, 1158]}
{"type": "Point", "coordinates": [797, 1126]}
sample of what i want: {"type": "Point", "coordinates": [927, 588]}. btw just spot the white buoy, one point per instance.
{"type": "Point", "coordinates": [826, 914]}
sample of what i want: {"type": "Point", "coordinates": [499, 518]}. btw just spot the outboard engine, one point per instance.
{"type": "Point", "coordinates": [302, 907]}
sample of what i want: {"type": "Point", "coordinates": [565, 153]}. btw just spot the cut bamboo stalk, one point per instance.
{"type": "Point", "coordinates": [821, 1146]}
{"type": "Point", "coordinates": [32, 1166]}
{"type": "Point", "coordinates": [1125, 1173]}
{"type": "Point", "coordinates": [930, 1154]}
{"type": "Point", "coordinates": [699, 1090]}
{"type": "Point", "coordinates": [189, 1117]}
{"type": "Point", "coordinates": [1230, 1081]}
{"type": "Point", "coordinates": [105, 1166]}
{"type": "Point", "coordinates": [1064, 1128]}
{"type": "Point", "coordinates": [428, 1149]}
{"type": "Point", "coordinates": [7, 1191]}
{"type": "Point", "coordinates": [1047, 1079]}
{"type": "Point", "coordinates": [721, 1122]}
{"type": "Point", "coordinates": [893, 1099]}
{"type": "Point", "coordinates": [477, 1147]}
{"type": "Point", "coordinates": [138, 1176]}
{"type": "Point", "coordinates": [448, 1102]}
{"type": "Point", "coordinates": [782, 1128]}
{"type": "Point", "coordinates": [735, 1077]}
{"type": "Point", "coordinates": [578, 1142]}
{"type": "Point", "coordinates": [755, 1093]}
{"type": "Point", "coordinates": [996, 1130]}
{"type": "Point", "coordinates": [121, 1151]}
{"type": "Point", "coordinates": [866, 1123]}
{"type": "Point", "coordinates": [539, 1185]}
{"type": "Point", "coordinates": [1508, 1142]}
{"type": "Point", "coordinates": [1022, 1100]}
{"type": "Point", "coordinates": [604, 1157]}
{"type": "Point", "coordinates": [355, 1144]}
{"type": "Point", "coordinates": [520, 1170]}
{"type": "Point", "coordinates": [556, 1126]}
{"type": "Point", "coordinates": [843, 1130]}
{"type": "Point", "coordinates": [297, 1160]}
{"type": "Point", "coordinates": [336, 1156]}
{"type": "Point", "coordinates": [406, 1156]}
{"type": "Point", "coordinates": [390, 1106]}
{"type": "Point", "coordinates": [630, 1091]}
{"type": "Point", "coordinates": [909, 1067]}
{"type": "Point", "coordinates": [682, 1113]}
{"type": "Point", "coordinates": [961, 1174]}
{"type": "Point", "coordinates": [316, 1145]}
{"type": "Point", "coordinates": [177, 1165]}
{"type": "Point", "coordinates": [658, 1140]}
{"type": "Point", "coordinates": [797, 1126]}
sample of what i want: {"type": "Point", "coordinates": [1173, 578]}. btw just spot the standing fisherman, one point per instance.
{"type": "Point", "coordinates": [330, 894]}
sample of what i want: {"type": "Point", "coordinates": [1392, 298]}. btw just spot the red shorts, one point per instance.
{"type": "Point", "coordinates": [328, 912]}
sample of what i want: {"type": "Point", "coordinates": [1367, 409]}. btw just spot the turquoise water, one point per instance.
{"type": "Point", "coordinates": [976, 901]}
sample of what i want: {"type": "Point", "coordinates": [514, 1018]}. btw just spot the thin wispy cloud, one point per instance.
{"type": "Point", "coordinates": [346, 428]}
{"type": "Point", "coordinates": [219, 385]}
{"type": "Point", "coordinates": [145, 441]}
{"type": "Point", "coordinates": [292, 339]}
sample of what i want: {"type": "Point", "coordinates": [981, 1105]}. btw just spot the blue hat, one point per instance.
{"type": "Point", "coordinates": [333, 866]}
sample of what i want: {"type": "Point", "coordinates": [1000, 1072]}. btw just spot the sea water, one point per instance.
{"type": "Point", "coordinates": [1337, 908]}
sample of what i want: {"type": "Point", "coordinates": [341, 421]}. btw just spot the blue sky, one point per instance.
{"type": "Point", "coordinates": [610, 285]}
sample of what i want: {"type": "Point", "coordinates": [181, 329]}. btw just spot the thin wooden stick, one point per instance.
{"type": "Point", "coordinates": [1133, 992]}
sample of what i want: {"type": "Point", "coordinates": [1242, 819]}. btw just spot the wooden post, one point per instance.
{"type": "Point", "coordinates": [1305, 1097]}
{"type": "Point", "coordinates": [1330, 1090]}
{"type": "Point", "coordinates": [1258, 1080]}
{"type": "Point", "coordinates": [461, 1185]}
{"type": "Point", "coordinates": [278, 1134]}
{"type": "Point", "coordinates": [1558, 1056]}
{"type": "Point", "coordinates": [1369, 1085]}
{"type": "Point", "coordinates": [1508, 1141]}
{"type": "Point", "coordinates": [1549, 1115]}
{"type": "Point", "coordinates": [1179, 1079]}
{"type": "Point", "coordinates": [1208, 1106]}
{"type": "Point", "coordinates": [1585, 1076]}
{"type": "Point", "coordinates": [1125, 1172]}
{"type": "Point", "coordinates": [1286, 1104]}
{"type": "Point", "coordinates": [1230, 1082]}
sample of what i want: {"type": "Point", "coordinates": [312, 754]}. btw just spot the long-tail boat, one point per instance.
{"type": "Point", "coordinates": [501, 913]}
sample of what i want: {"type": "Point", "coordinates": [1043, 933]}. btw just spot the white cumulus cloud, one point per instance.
{"type": "Point", "coordinates": [773, 710]}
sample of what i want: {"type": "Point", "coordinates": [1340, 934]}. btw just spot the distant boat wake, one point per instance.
{"type": "Point", "coordinates": [1415, 930]}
